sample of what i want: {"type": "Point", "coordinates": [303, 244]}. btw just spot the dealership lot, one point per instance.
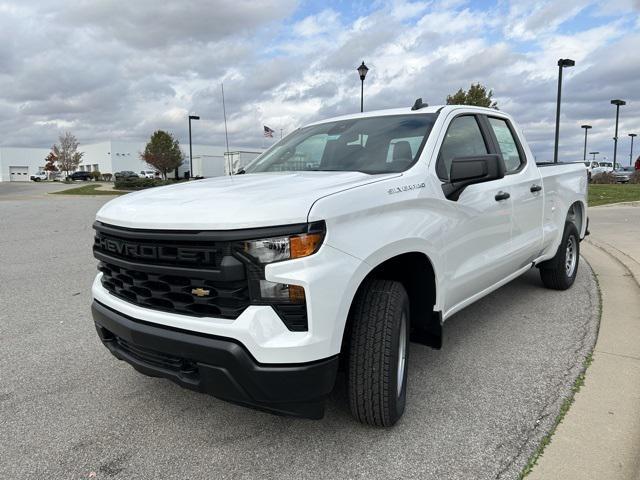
{"type": "Point", "coordinates": [477, 408]}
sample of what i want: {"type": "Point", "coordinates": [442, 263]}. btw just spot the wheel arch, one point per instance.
{"type": "Point", "coordinates": [417, 273]}
{"type": "Point", "coordinates": [576, 214]}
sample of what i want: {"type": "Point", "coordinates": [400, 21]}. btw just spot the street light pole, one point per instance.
{"type": "Point", "coordinates": [632, 135]}
{"type": "Point", "coordinates": [618, 104]}
{"type": "Point", "coordinates": [191, 117]}
{"type": "Point", "coordinates": [594, 155]}
{"type": "Point", "coordinates": [586, 129]}
{"type": "Point", "coordinates": [562, 63]}
{"type": "Point", "coordinates": [362, 71]}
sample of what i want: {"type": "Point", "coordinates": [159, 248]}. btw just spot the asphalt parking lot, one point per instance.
{"type": "Point", "coordinates": [68, 409]}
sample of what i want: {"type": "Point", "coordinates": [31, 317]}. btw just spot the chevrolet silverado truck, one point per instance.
{"type": "Point", "coordinates": [334, 249]}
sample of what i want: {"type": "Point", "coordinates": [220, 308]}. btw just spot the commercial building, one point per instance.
{"type": "Point", "coordinates": [18, 164]}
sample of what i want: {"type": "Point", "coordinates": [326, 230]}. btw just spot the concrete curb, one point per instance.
{"type": "Point", "coordinates": [619, 204]}
{"type": "Point", "coordinates": [599, 438]}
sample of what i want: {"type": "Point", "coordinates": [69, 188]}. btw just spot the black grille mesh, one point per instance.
{"type": "Point", "coordinates": [172, 293]}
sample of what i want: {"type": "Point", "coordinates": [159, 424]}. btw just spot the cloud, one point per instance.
{"type": "Point", "coordinates": [105, 68]}
{"type": "Point", "coordinates": [314, 25]}
{"type": "Point", "coordinates": [151, 24]}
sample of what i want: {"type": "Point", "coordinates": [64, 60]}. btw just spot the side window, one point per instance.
{"type": "Point", "coordinates": [507, 144]}
{"type": "Point", "coordinates": [463, 139]}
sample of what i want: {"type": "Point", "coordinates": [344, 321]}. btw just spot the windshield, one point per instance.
{"type": "Point", "coordinates": [370, 145]}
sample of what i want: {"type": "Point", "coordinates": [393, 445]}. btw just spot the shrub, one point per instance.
{"type": "Point", "coordinates": [140, 183]}
{"type": "Point", "coordinates": [106, 177]}
{"type": "Point", "coordinates": [95, 175]}
{"type": "Point", "coordinates": [604, 178]}
{"type": "Point", "coordinates": [635, 177]}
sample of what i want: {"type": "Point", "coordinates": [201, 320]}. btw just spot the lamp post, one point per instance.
{"type": "Point", "coordinates": [562, 63]}
{"type": "Point", "coordinates": [362, 71]}
{"type": "Point", "coordinates": [594, 155]}
{"type": "Point", "coordinates": [632, 135]}
{"type": "Point", "coordinates": [618, 104]}
{"type": "Point", "coordinates": [586, 129]}
{"type": "Point", "coordinates": [191, 117]}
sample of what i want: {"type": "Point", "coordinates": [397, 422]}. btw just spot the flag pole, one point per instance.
{"type": "Point", "coordinates": [226, 134]}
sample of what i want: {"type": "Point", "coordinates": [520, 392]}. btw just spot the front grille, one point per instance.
{"type": "Point", "coordinates": [173, 293]}
{"type": "Point", "coordinates": [173, 272]}
{"type": "Point", "coordinates": [195, 273]}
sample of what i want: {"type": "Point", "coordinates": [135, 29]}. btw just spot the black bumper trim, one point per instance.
{"type": "Point", "coordinates": [218, 366]}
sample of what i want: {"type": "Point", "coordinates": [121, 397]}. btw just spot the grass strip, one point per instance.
{"type": "Point", "coordinates": [88, 190]}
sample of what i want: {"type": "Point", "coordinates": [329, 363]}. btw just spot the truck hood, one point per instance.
{"type": "Point", "coordinates": [226, 203]}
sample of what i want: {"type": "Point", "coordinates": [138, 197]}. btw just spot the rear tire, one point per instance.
{"type": "Point", "coordinates": [379, 353]}
{"type": "Point", "coordinates": [560, 272]}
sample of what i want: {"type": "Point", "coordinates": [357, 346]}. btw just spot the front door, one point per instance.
{"type": "Point", "coordinates": [479, 229]}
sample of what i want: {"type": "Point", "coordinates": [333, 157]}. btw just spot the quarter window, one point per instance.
{"type": "Point", "coordinates": [463, 139]}
{"type": "Point", "coordinates": [507, 144]}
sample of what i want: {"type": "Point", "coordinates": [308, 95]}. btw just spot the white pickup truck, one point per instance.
{"type": "Point", "coordinates": [333, 249]}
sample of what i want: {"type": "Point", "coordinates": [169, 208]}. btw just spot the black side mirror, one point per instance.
{"type": "Point", "coordinates": [467, 171]}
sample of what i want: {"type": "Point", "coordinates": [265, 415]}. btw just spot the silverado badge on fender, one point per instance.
{"type": "Point", "coordinates": [405, 188]}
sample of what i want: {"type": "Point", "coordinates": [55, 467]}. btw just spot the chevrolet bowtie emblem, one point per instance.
{"type": "Point", "coordinates": [200, 292]}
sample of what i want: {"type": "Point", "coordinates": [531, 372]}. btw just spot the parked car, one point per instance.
{"type": "Point", "coordinates": [341, 243]}
{"type": "Point", "coordinates": [39, 177]}
{"type": "Point", "coordinates": [80, 175]}
{"type": "Point", "coordinates": [149, 174]}
{"type": "Point", "coordinates": [126, 174]}
{"type": "Point", "coordinates": [603, 167]}
{"type": "Point", "coordinates": [590, 164]}
{"type": "Point", "coordinates": [623, 174]}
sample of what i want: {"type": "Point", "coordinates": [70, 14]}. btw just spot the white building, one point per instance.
{"type": "Point", "coordinates": [18, 164]}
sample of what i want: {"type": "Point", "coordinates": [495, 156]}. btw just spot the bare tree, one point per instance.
{"type": "Point", "coordinates": [67, 153]}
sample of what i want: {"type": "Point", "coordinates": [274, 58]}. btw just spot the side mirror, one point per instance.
{"type": "Point", "coordinates": [467, 171]}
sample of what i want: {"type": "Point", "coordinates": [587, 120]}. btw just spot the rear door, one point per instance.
{"type": "Point", "coordinates": [479, 230]}
{"type": "Point", "coordinates": [525, 184]}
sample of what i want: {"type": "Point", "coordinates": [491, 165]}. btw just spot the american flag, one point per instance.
{"type": "Point", "coordinates": [268, 132]}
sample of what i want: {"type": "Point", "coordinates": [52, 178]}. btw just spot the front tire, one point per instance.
{"type": "Point", "coordinates": [560, 272]}
{"type": "Point", "coordinates": [379, 353]}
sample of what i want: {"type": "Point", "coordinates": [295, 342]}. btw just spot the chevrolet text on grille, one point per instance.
{"type": "Point", "coordinates": [155, 252]}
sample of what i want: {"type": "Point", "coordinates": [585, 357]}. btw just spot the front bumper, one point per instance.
{"type": "Point", "coordinates": [215, 365]}
{"type": "Point", "coordinates": [330, 279]}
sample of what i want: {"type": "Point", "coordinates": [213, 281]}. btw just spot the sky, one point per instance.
{"type": "Point", "coordinates": [121, 69]}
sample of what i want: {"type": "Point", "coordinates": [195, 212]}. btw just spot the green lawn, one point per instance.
{"type": "Point", "coordinates": [88, 190]}
{"type": "Point", "coordinates": [603, 194]}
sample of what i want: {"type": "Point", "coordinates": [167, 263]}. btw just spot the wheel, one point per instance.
{"type": "Point", "coordinates": [379, 353]}
{"type": "Point", "coordinates": [559, 273]}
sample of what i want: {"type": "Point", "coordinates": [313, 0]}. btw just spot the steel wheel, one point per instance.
{"type": "Point", "coordinates": [571, 257]}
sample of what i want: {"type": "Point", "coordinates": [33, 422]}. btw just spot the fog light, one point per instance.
{"type": "Point", "coordinates": [281, 292]}
{"type": "Point", "coordinates": [296, 294]}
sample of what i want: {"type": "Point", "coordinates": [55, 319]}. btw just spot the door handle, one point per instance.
{"type": "Point", "coordinates": [535, 188]}
{"type": "Point", "coordinates": [502, 196]}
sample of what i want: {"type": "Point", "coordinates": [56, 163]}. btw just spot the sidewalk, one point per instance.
{"type": "Point", "coordinates": [599, 438]}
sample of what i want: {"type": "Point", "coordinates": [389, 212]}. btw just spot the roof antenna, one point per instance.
{"type": "Point", "coordinates": [418, 104]}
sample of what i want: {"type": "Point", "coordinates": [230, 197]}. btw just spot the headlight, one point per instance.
{"type": "Point", "coordinates": [276, 249]}
{"type": "Point", "coordinates": [289, 301]}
